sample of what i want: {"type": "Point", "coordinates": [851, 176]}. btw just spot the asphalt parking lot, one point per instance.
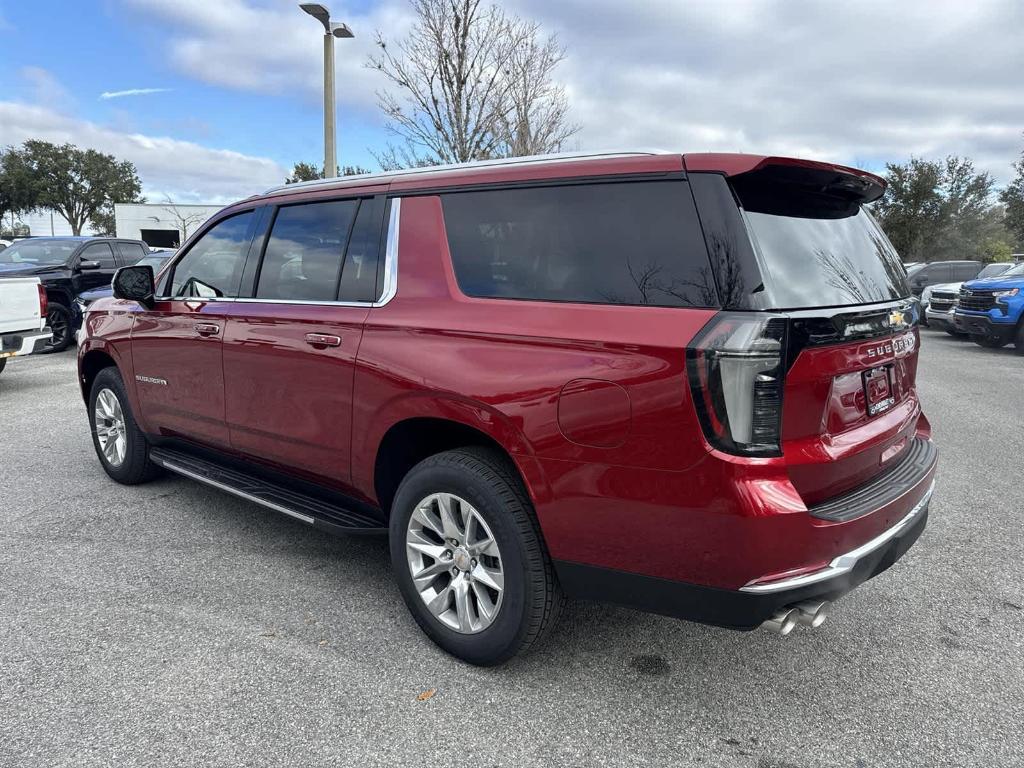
{"type": "Point", "coordinates": [171, 624]}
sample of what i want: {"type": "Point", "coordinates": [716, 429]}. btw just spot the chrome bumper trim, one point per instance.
{"type": "Point", "coordinates": [844, 563]}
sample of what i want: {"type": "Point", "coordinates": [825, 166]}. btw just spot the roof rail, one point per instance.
{"type": "Point", "coordinates": [303, 186]}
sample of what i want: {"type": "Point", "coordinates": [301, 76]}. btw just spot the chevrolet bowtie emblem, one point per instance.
{"type": "Point", "coordinates": [896, 318]}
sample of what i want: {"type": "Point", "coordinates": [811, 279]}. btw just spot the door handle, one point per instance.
{"type": "Point", "coordinates": [207, 329]}
{"type": "Point", "coordinates": [323, 340]}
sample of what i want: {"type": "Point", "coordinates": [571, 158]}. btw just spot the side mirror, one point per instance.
{"type": "Point", "coordinates": [135, 284]}
{"type": "Point", "coordinates": [86, 265]}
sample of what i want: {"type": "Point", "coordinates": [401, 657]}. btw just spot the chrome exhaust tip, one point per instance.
{"type": "Point", "coordinates": [812, 613]}
{"type": "Point", "coordinates": [782, 621]}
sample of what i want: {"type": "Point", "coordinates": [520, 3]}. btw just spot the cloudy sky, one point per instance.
{"type": "Point", "coordinates": [215, 99]}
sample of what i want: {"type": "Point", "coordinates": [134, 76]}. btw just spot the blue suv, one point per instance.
{"type": "Point", "coordinates": [992, 310]}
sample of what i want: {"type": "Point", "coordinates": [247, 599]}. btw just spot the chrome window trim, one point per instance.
{"type": "Point", "coordinates": [390, 277]}
{"type": "Point", "coordinates": [845, 563]}
{"type": "Point", "coordinates": [390, 288]}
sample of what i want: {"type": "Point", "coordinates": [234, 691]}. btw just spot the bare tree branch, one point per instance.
{"type": "Point", "coordinates": [470, 83]}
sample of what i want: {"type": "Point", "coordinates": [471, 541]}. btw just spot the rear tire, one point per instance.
{"type": "Point", "coordinates": [58, 319]}
{"type": "Point", "coordinates": [120, 444]}
{"type": "Point", "coordinates": [480, 625]}
{"type": "Point", "coordinates": [990, 342]}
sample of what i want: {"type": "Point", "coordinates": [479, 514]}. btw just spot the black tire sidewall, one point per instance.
{"type": "Point", "coordinates": [990, 342]}
{"type": "Point", "coordinates": [57, 307]}
{"type": "Point", "coordinates": [502, 639]}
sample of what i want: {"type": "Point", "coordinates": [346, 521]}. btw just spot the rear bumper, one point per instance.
{"type": "Point", "coordinates": [17, 344]}
{"type": "Point", "coordinates": [751, 605]}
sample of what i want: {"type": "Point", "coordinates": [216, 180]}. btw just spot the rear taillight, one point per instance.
{"type": "Point", "coordinates": [736, 374]}
{"type": "Point", "coordinates": [43, 306]}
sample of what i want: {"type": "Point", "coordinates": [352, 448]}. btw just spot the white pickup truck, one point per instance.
{"type": "Point", "coordinates": [22, 317]}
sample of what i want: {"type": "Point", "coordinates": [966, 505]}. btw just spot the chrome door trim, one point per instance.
{"type": "Point", "coordinates": [390, 277]}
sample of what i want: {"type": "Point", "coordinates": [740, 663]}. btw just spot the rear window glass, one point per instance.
{"type": "Point", "coordinates": [622, 243]}
{"type": "Point", "coordinates": [817, 250]}
{"type": "Point", "coordinates": [810, 262]}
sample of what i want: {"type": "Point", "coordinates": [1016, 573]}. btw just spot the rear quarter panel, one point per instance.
{"type": "Point", "coordinates": [500, 366]}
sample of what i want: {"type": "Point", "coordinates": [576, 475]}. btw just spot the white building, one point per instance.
{"type": "Point", "coordinates": [47, 223]}
{"type": "Point", "coordinates": [161, 225]}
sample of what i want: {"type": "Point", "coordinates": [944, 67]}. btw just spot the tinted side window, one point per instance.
{"type": "Point", "coordinates": [304, 254]}
{"type": "Point", "coordinates": [131, 252]}
{"type": "Point", "coordinates": [611, 243]}
{"type": "Point", "coordinates": [101, 254]}
{"type": "Point", "coordinates": [213, 266]}
{"type": "Point", "coordinates": [359, 278]}
{"type": "Point", "coordinates": [965, 272]}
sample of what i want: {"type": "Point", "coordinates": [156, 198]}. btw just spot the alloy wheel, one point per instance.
{"type": "Point", "coordinates": [110, 427]}
{"type": "Point", "coordinates": [455, 563]}
{"type": "Point", "coordinates": [59, 326]}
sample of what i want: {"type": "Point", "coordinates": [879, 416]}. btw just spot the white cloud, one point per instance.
{"type": "Point", "coordinates": [857, 82]}
{"type": "Point", "coordinates": [183, 170]}
{"type": "Point", "coordinates": [132, 92]}
{"type": "Point", "coordinates": [276, 49]}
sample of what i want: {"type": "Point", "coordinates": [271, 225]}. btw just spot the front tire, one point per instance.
{"type": "Point", "coordinates": [990, 342]}
{"type": "Point", "coordinates": [58, 318]}
{"type": "Point", "coordinates": [1018, 342]}
{"type": "Point", "coordinates": [469, 559]}
{"type": "Point", "coordinates": [120, 444]}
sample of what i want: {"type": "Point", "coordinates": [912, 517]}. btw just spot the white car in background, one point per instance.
{"type": "Point", "coordinates": [938, 301]}
{"type": "Point", "coordinates": [22, 317]}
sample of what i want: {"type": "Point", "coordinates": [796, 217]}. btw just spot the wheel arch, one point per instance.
{"type": "Point", "coordinates": [91, 363]}
{"type": "Point", "coordinates": [59, 294]}
{"type": "Point", "coordinates": [414, 437]}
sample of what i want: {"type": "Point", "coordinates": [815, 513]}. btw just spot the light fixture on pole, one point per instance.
{"type": "Point", "coordinates": [331, 31]}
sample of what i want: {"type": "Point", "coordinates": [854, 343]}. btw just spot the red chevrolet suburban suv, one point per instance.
{"type": "Point", "coordinates": [682, 383]}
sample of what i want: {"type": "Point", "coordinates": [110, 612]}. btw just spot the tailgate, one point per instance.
{"type": "Point", "coordinates": [850, 407]}
{"type": "Point", "coordinates": [19, 304]}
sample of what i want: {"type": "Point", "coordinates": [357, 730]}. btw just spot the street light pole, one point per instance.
{"type": "Point", "coordinates": [330, 134]}
{"type": "Point", "coordinates": [331, 31]}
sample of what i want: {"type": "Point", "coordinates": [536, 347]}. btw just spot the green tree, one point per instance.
{"type": "Point", "coordinates": [81, 185]}
{"type": "Point", "coordinates": [1013, 199]}
{"type": "Point", "coordinates": [304, 172]}
{"type": "Point", "coordinates": [19, 192]}
{"type": "Point", "coordinates": [996, 249]}
{"type": "Point", "coordinates": [935, 211]}
{"type": "Point", "coordinates": [354, 170]}
{"type": "Point", "coordinates": [310, 172]}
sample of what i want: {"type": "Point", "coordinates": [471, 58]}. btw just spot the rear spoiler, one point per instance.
{"type": "Point", "coordinates": [839, 180]}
